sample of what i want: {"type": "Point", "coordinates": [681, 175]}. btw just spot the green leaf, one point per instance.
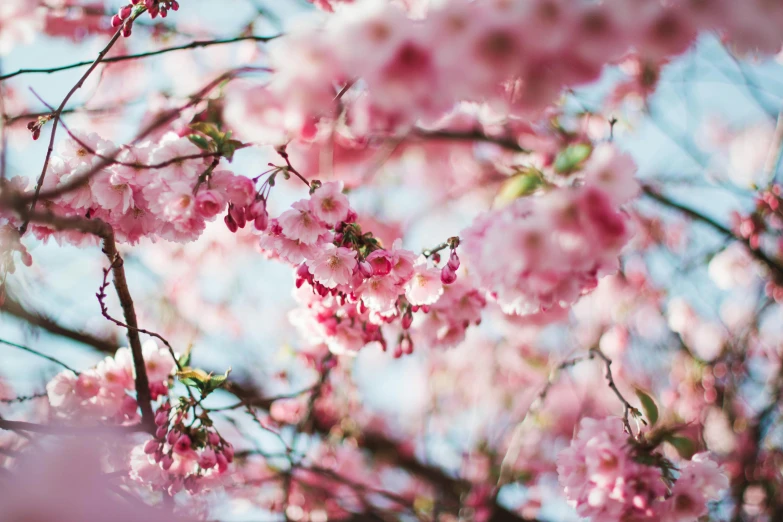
{"type": "Point", "coordinates": [199, 141]}
{"type": "Point", "coordinates": [184, 359]}
{"type": "Point", "coordinates": [684, 446]}
{"type": "Point", "coordinates": [572, 157]}
{"type": "Point", "coordinates": [649, 407]}
{"type": "Point", "coordinates": [519, 185]}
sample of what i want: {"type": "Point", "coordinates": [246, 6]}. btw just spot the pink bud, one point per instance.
{"type": "Point", "coordinates": [207, 459]}
{"type": "Point", "coordinates": [151, 447]}
{"type": "Point", "coordinates": [166, 462]}
{"type": "Point", "coordinates": [116, 21]}
{"type": "Point", "coordinates": [230, 223]}
{"type": "Point", "coordinates": [174, 5]}
{"type": "Point", "coordinates": [161, 432]}
{"type": "Point", "coordinates": [425, 308]}
{"type": "Point", "coordinates": [454, 260]}
{"type": "Point", "coordinates": [407, 320]}
{"type": "Point", "coordinates": [406, 345]}
{"type": "Point", "coordinates": [447, 275]}
{"type": "Point", "coordinates": [125, 12]}
{"type": "Point", "coordinates": [27, 259]}
{"type": "Point", "coordinates": [261, 222]}
{"type": "Point", "coordinates": [214, 438]}
{"type": "Point", "coordinates": [127, 29]}
{"type": "Point", "coordinates": [256, 208]}
{"type": "Point", "coordinates": [238, 215]}
{"type": "Point", "coordinates": [161, 418]}
{"type": "Point", "coordinates": [351, 217]}
{"type": "Point", "coordinates": [222, 463]}
{"type": "Point", "coordinates": [228, 451]}
{"type": "Point", "coordinates": [172, 437]}
{"type": "Point", "coordinates": [159, 454]}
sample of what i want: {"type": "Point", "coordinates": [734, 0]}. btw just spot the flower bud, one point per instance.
{"type": "Point", "coordinates": [261, 222]}
{"type": "Point", "coordinates": [447, 275]}
{"type": "Point", "coordinates": [161, 432]}
{"type": "Point", "coordinates": [151, 447]}
{"type": "Point", "coordinates": [255, 209]}
{"type": "Point", "coordinates": [166, 462]}
{"type": "Point", "coordinates": [161, 418]}
{"type": "Point", "coordinates": [407, 320]}
{"type": "Point", "coordinates": [116, 21]}
{"type": "Point", "coordinates": [230, 223]}
{"type": "Point", "coordinates": [222, 462]}
{"type": "Point", "coordinates": [238, 215]}
{"type": "Point", "coordinates": [406, 345]}
{"type": "Point", "coordinates": [453, 260]}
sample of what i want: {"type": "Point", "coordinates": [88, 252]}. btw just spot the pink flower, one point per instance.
{"type": "Point", "coordinates": [334, 266]}
{"type": "Point", "coordinates": [209, 203]}
{"type": "Point", "coordinates": [299, 223]}
{"type": "Point", "coordinates": [88, 385]}
{"type": "Point", "coordinates": [329, 204]}
{"type": "Point", "coordinates": [158, 362]}
{"type": "Point", "coordinates": [62, 390]}
{"type": "Point", "coordinates": [207, 458]}
{"type": "Point", "coordinates": [379, 294]}
{"type": "Point", "coordinates": [425, 287]}
{"type": "Point", "coordinates": [612, 172]}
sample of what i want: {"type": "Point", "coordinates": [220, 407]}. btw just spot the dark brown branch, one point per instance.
{"type": "Point", "coordinates": [104, 231]}
{"type": "Point", "coordinates": [14, 308]}
{"type": "Point", "coordinates": [64, 429]}
{"type": "Point", "coordinates": [508, 143]}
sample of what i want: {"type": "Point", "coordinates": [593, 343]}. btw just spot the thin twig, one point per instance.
{"type": "Point", "coordinates": [122, 58]}
{"type": "Point", "coordinates": [39, 354]}
{"type": "Point", "coordinates": [515, 446]}
{"type": "Point", "coordinates": [628, 408]}
{"type": "Point", "coordinates": [760, 255]}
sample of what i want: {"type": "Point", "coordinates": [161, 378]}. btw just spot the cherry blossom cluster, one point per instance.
{"type": "Point", "coordinates": [606, 478]}
{"type": "Point", "coordinates": [545, 251]}
{"type": "Point", "coordinates": [189, 456]}
{"type": "Point", "coordinates": [103, 391]}
{"type": "Point", "coordinates": [350, 284]}
{"type": "Point", "coordinates": [520, 54]}
{"type": "Point", "coordinates": [166, 189]}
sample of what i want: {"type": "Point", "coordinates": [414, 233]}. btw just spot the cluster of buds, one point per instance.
{"type": "Point", "coordinates": [237, 217]}
{"type": "Point", "coordinates": [187, 452]}
{"type": "Point", "coordinates": [448, 274]}
{"type": "Point", "coordinates": [37, 124]}
{"type": "Point", "coordinates": [124, 17]}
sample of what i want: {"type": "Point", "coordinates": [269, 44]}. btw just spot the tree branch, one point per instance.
{"type": "Point", "coordinates": [114, 59]}
{"type": "Point", "coordinates": [39, 354]}
{"type": "Point", "coordinates": [775, 267]}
